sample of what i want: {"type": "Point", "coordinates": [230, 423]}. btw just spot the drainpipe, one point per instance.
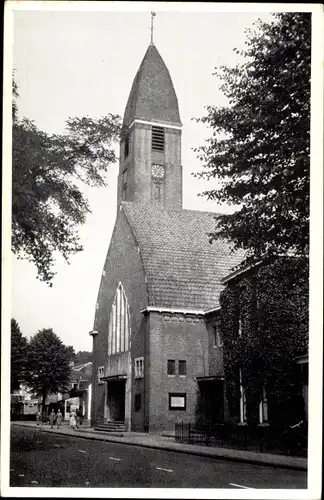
{"type": "Point", "coordinates": [93, 334]}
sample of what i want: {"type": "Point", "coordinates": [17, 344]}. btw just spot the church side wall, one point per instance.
{"type": "Point", "coordinates": [175, 337]}
{"type": "Point", "coordinates": [123, 264]}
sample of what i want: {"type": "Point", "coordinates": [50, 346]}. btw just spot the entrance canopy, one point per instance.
{"type": "Point", "coordinates": [113, 378]}
{"type": "Point", "coordinates": [212, 378]}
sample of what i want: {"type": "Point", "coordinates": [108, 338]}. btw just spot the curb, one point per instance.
{"type": "Point", "coordinates": [221, 456]}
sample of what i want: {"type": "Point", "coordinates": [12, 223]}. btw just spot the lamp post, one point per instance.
{"type": "Point", "coordinates": [93, 334]}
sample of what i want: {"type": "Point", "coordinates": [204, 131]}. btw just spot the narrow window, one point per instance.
{"type": "Point", "coordinates": [157, 191]}
{"type": "Point", "coordinates": [240, 327]}
{"type": "Point", "coordinates": [139, 367]}
{"type": "Point", "coordinates": [182, 367]}
{"type": "Point", "coordinates": [263, 408]}
{"type": "Point", "coordinates": [217, 334]}
{"type": "Point", "coordinates": [101, 371]}
{"type": "Point", "coordinates": [242, 400]}
{"type": "Point", "coordinates": [119, 330]}
{"type": "Point", "coordinates": [124, 184]}
{"type": "Point", "coordinates": [158, 138]}
{"type": "Point", "coordinates": [138, 402]}
{"type": "Point", "coordinates": [126, 147]}
{"type": "Point", "coordinates": [171, 367]}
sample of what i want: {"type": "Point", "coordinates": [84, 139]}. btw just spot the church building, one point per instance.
{"type": "Point", "coordinates": [157, 350]}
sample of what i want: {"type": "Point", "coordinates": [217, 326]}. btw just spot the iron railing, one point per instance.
{"type": "Point", "coordinates": [288, 441]}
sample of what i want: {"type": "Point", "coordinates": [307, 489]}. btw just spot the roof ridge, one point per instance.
{"type": "Point", "coordinates": [163, 208]}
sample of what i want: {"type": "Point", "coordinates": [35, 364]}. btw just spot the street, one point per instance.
{"type": "Point", "coordinates": [39, 459]}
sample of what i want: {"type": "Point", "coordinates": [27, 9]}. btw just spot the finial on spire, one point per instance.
{"type": "Point", "coordinates": [152, 28]}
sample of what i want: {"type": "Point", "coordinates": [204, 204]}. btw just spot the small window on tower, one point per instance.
{"type": "Point", "coordinates": [124, 184]}
{"type": "Point", "coordinates": [158, 138]}
{"type": "Point", "coordinates": [157, 191]}
{"type": "Point", "coordinates": [126, 147]}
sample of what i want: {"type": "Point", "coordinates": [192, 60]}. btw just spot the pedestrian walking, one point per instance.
{"type": "Point", "coordinates": [78, 419]}
{"type": "Point", "coordinates": [38, 416]}
{"type": "Point", "coordinates": [59, 417]}
{"type": "Point", "coordinates": [72, 419]}
{"type": "Point", "coordinates": [52, 418]}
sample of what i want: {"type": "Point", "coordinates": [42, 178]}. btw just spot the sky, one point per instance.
{"type": "Point", "coordinates": [77, 63]}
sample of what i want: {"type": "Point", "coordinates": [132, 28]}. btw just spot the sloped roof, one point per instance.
{"type": "Point", "coordinates": [80, 367]}
{"type": "Point", "coordinates": [182, 268]}
{"type": "Point", "coordinates": [152, 96]}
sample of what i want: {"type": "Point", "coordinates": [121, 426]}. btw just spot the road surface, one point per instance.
{"type": "Point", "coordinates": [39, 459]}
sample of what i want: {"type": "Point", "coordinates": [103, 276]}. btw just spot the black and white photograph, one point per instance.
{"type": "Point", "coordinates": [162, 250]}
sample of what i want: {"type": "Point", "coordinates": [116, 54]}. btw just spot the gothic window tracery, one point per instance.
{"type": "Point", "coordinates": [119, 325]}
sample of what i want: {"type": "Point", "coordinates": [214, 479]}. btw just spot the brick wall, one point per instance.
{"type": "Point", "coordinates": [175, 337]}
{"type": "Point", "coordinates": [123, 263]}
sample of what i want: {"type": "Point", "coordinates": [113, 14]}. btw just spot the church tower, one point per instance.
{"type": "Point", "coordinates": [150, 168]}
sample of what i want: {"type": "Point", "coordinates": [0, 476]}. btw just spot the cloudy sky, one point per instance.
{"type": "Point", "coordinates": [76, 63]}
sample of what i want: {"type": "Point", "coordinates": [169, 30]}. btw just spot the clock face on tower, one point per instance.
{"type": "Point", "coordinates": [158, 171]}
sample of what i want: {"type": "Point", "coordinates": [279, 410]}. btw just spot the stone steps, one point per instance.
{"type": "Point", "coordinates": [118, 427]}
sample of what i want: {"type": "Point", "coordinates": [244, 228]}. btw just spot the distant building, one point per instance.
{"type": "Point", "coordinates": [23, 404]}
{"type": "Point", "coordinates": [79, 397]}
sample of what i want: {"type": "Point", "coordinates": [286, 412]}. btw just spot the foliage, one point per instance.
{"type": "Point", "coordinates": [82, 357]}
{"type": "Point", "coordinates": [70, 353]}
{"type": "Point", "coordinates": [272, 303]}
{"type": "Point", "coordinates": [18, 356]}
{"type": "Point", "coordinates": [48, 170]}
{"type": "Point", "coordinates": [48, 364]}
{"type": "Point", "coordinates": [260, 146]}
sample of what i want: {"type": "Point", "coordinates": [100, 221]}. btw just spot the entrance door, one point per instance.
{"type": "Point", "coordinates": [212, 401]}
{"type": "Point", "coordinates": [116, 400]}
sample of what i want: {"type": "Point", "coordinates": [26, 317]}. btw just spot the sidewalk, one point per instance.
{"type": "Point", "coordinates": [161, 442]}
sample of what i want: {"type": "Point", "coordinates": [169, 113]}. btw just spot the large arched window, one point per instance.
{"type": "Point", "coordinates": [119, 327]}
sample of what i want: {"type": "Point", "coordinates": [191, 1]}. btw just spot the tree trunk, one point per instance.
{"type": "Point", "coordinates": [44, 395]}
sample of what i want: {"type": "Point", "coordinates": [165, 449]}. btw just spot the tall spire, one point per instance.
{"type": "Point", "coordinates": [152, 96]}
{"type": "Point", "coordinates": [152, 26]}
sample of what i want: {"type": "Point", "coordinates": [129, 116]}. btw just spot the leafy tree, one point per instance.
{"type": "Point", "coordinates": [70, 352]}
{"type": "Point", "coordinates": [260, 147]}
{"type": "Point", "coordinates": [18, 356]}
{"type": "Point", "coordinates": [48, 171]}
{"type": "Point", "coordinates": [48, 364]}
{"type": "Point", "coordinates": [271, 300]}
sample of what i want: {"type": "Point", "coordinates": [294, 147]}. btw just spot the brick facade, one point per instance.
{"type": "Point", "coordinates": [123, 264]}
{"type": "Point", "coordinates": [174, 337]}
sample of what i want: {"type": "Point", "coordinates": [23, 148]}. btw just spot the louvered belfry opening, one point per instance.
{"type": "Point", "coordinates": [158, 138]}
